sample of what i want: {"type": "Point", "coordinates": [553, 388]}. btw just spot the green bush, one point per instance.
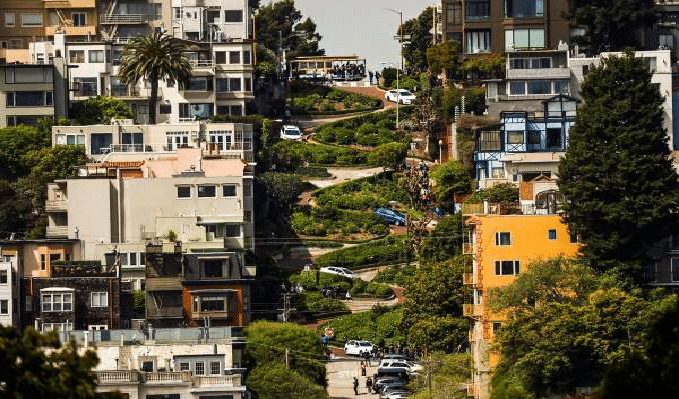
{"type": "Point", "coordinates": [314, 301]}
{"type": "Point", "coordinates": [389, 250]}
{"type": "Point", "coordinates": [364, 193]}
{"type": "Point", "coordinates": [395, 275]}
{"type": "Point", "coordinates": [322, 244]}
{"type": "Point", "coordinates": [381, 328]}
{"type": "Point", "coordinates": [307, 279]}
{"type": "Point", "coordinates": [322, 220]}
{"type": "Point", "coordinates": [367, 130]}
{"type": "Point", "coordinates": [294, 153]}
{"type": "Point", "coordinates": [499, 193]}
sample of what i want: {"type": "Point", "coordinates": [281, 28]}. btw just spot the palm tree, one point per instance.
{"type": "Point", "coordinates": [154, 57]}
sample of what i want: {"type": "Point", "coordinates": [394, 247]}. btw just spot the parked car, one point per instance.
{"type": "Point", "coordinates": [401, 96]}
{"type": "Point", "coordinates": [407, 366]}
{"type": "Point", "coordinates": [358, 348]}
{"type": "Point", "coordinates": [381, 382]}
{"type": "Point", "coordinates": [341, 271]}
{"type": "Point", "coordinates": [291, 132]}
{"type": "Point", "coordinates": [390, 216]}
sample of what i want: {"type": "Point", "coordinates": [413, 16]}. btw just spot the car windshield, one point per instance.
{"type": "Point", "coordinates": [406, 93]}
{"type": "Point", "coordinates": [292, 132]}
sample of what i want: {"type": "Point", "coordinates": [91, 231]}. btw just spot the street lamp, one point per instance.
{"type": "Point", "coordinates": [398, 93]}
{"type": "Point", "coordinates": [400, 28]}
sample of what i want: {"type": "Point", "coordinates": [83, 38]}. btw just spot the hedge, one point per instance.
{"type": "Point", "coordinates": [392, 249]}
{"type": "Point", "coordinates": [364, 193]}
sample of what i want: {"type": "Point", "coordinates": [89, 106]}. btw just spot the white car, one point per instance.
{"type": "Point", "coordinates": [358, 348]}
{"type": "Point", "coordinates": [340, 271]}
{"type": "Point", "coordinates": [407, 366]}
{"type": "Point", "coordinates": [291, 132]}
{"type": "Point", "coordinates": [402, 96]}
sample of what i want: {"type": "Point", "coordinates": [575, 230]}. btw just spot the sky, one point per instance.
{"type": "Point", "coordinates": [361, 27]}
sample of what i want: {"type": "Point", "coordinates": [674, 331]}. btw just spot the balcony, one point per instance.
{"type": "Point", "coordinates": [469, 310]}
{"type": "Point", "coordinates": [467, 278]}
{"type": "Point", "coordinates": [467, 248]}
{"type": "Point", "coordinates": [165, 312]}
{"type": "Point", "coordinates": [211, 381]}
{"type": "Point", "coordinates": [116, 377]}
{"type": "Point", "coordinates": [123, 19]}
{"type": "Point", "coordinates": [167, 377]}
{"type": "Point", "coordinates": [71, 30]}
{"type": "Point", "coordinates": [57, 231]}
{"type": "Point", "coordinates": [69, 4]}
{"type": "Point", "coordinates": [56, 206]}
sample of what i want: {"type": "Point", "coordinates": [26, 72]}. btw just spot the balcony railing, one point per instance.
{"type": "Point", "coordinates": [57, 231]}
{"type": "Point", "coordinates": [202, 63]}
{"type": "Point", "coordinates": [468, 278]}
{"type": "Point", "coordinates": [117, 376]}
{"type": "Point", "coordinates": [167, 377]}
{"type": "Point", "coordinates": [122, 19]}
{"type": "Point", "coordinates": [225, 380]}
{"type": "Point", "coordinates": [56, 206]}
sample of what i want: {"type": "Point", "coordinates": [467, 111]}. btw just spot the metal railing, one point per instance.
{"type": "Point", "coordinates": [114, 19]}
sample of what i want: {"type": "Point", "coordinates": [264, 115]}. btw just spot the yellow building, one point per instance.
{"type": "Point", "coordinates": [502, 246]}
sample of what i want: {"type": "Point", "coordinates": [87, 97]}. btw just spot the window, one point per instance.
{"type": "Point", "coordinates": [184, 366]}
{"type": "Point", "coordinates": [455, 12]}
{"type": "Point", "coordinates": [220, 57]}
{"type": "Point", "coordinates": [478, 41]}
{"type": "Point", "coordinates": [229, 190]}
{"type": "Point", "coordinates": [199, 84]}
{"type": "Point", "coordinates": [86, 87]}
{"type": "Point", "coordinates": [489, 141]}
{"type": "Point", "coordinates": [517, 88]}
{"type": "Point", "coordinates": [200, 368]}
{"type": "Point", "coordinates": [530, 63]}
{"type": "Point", "coordinates": [561, 87]}
{"type": "Point", "coordinates": [147, 366]}
{"type": "Point", "coordinates": [3, 277]}
{"type": "Point", "coordinates": [183, 191]}
{"type": "Point", "coordinates": [496, 326]}
{"type": "Point", "coordinates": [237, 110]}
{"type": "Point", "coordinates": [29, 99]}
{"type": "Point", "coordinates": [539, 87]}
{"type": "Point", "coordinates": [675, 269]}
{"type": "Point", "coordinates": [554, 139]}
{"type": "Point", "coordinates": [551, 234]}
{"type": "Point", "coordinates": [503, 238]}
{"type": "Point", "coordinates": [76, 56]}
{"type": "Point", "coordinates": [42, 261]}
{"type": "Point", "coordinates": [165, 109]}
{"type": "Point", "coordinates": [212, 304]}
{"type": "Point", "coordinates": [31, 20]}
{"type": "Point", "coordinates": [57, 302]}
{"type": "Point", "coordinates": [4, 306]}
{"type": "Point", "coordinates": [79, 18]}
{"type": "Point", "coordinates": [96, 56]}
{"type": "Point", "coordinates": [67, 326]}
{"type": "Point", "coordinates": [247, 216]}
{"type": "Point", "coordinates": [213, 268]}
{"type": "Point", "coordinates": [507, 267]}
{"type": "Point", "coordinates": [177, 12]}
{"type": "Point", "coordinates": [497, 172]}
{"type": "Point", "coordinates": [222, 85]}
{"type": "Point", "coordinates": [247, 188]}
{"type": "Point", "coordinates": [573, 237]}
{"type": "Point", "coordinates": [234, 84]}
{"type": "Point", "coordinates": [207, 191]}
{"type": "Point", "coordinates": [525, 39]}
{"type": "Point", "coordinates": [246, 57]}
{"type": "Point", "coordinates": [515, 137]}
{"type": "Point", "coordinates": [64, 139]}
{"type": "Point", "coordinates": [478, 9]}
{"type": "Point", "coordinates": [234, 57]}
{"type": "Point", "coordinates": [215, 368]}
{"type": "Point", "coordinates": [523, 8]}
{"type": "Point", "coordinates": [176, 140]}
{"type": "Point", "coordinates": [222, 230]}
{"type": "Point", "coordinates": [233, 15]}
{"type": "Point", "coordinates": [100, 299]}
{"type": "Point", "coordinates": [248, 84]}
{"type": "Point", "coordinates": [9, 20]}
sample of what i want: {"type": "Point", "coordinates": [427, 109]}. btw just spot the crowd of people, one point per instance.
{"type": "Point", "coordinates": [348, 71]}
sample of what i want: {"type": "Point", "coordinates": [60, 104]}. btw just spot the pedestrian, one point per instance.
{"type": "Point", "coordinates": [363, 369]}
{"type": "Point", "coordinates": [348, 296]}
{"type": "Point", "coordinates": [371, 76]}
{"type": "Point", "coordinates": [369, 384]}
{"type": "Point", "coordinates": [355, 386]}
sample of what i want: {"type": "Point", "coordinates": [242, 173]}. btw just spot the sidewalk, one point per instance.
{"type": "Point", "coordinates": [341, 372]}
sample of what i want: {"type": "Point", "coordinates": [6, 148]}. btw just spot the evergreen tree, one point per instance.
{"type": "Point", "coordinates": [622, 192]}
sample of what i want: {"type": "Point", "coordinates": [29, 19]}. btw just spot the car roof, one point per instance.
{"type": "Point", "coordinates": [290, 127]}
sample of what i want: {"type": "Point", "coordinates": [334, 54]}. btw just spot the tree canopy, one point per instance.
{"type": "Point", "coordinates": [448, 179]}
{"type": "Point", "coordinates": [154, 57]}
{"type": "Point", "coordinates": [280, 25]}
{"type": "Point", "coordinates": [621, 190]}
{"type": "Point", "coordinates": [100, 110]}
{"type": "Point", "coordinates": [269, 343]}
{"type": "Point", "coordinates": [611, 25]}
{"type": "Point", "coordinates": [568, 328]}
{"type": "Point", "coordinates": [415, 49]}
{"type": "Point", "coordinates": [442, 58]}
{"type": "Point", "coordinates": [278, 382]}
{"type": "Point", "coordinates": [30, 372]}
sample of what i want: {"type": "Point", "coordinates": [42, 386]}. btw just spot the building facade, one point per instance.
{"type": "Point", "coordinates": [501, 247]}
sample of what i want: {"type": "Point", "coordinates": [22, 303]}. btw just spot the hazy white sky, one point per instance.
{"type": "Point", "coordinates": [360, 27]}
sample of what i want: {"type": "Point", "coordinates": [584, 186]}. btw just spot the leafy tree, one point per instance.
{"type": "Point", "coordinates": [388, 155]}
{"type": "Point", "coordinates": [30, 371]}
{"type": "Point", "coordinates": [282, 188]}
{"type": "Point", "coordinates": [415, 50]}
{"type": "Point", "coordinates": [499, 193]}
{"type": "Point", "coordinates": [622, 192]}
{"type": "Point", "coordinates": [487, 64]}
{"type": "Point", "coordinates": [381, 325]}
{"type": "Point", "coordinates": [280, 25]}
{"type": "Point", "coordinates": [448, 179]}
{"type": "Point", "coordinates": [269, 343]}
{"type": "Point", "coordinates": [445, 241]}
{"type": "Point", "coordinates": [568, 328]}
{"type": "Point", "coordinates": [442, 58]}
{"type": "Point", "coordinates": [278, 382]}
{"type": "Point", "coordinates": [100, 110]}
{"type": "Point", "coordinates": [446, 373]}
{"type": "Point", "coordinates": [152, 58]}
{"type": "Point", "coordinates": [611, 25]}
{"type": "Point", "coordinates": [15, 142]}
{"type": "Point", "coordinates": [433, 306]}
